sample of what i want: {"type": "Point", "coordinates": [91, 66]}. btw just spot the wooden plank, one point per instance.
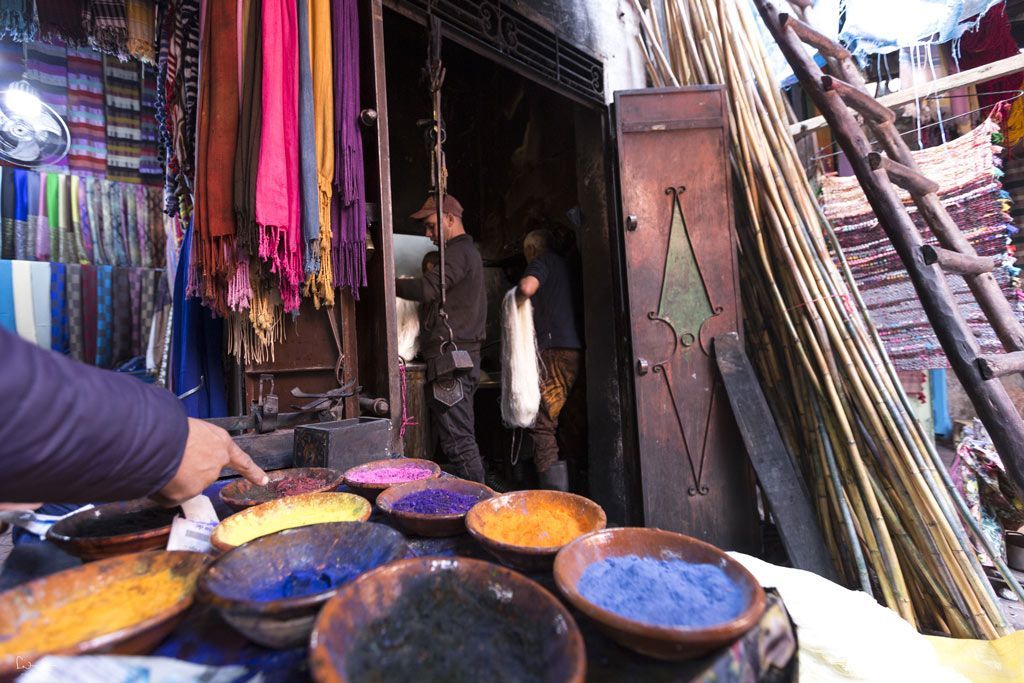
{"type": "Point", "coordinates": [1000, 366]}
{"type": "Point", "coordinates": [980, 74]}
{"type": "Point", "coordinates": [779, 478]}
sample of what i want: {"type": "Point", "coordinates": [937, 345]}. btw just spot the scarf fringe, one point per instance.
{"type": "Point", "coordinates": [320, 286]}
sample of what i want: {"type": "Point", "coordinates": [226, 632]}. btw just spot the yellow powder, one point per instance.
{"type": "Point", "coordinates": [545, 526]}
{"type": "Point", "coordinates": [288, 513]}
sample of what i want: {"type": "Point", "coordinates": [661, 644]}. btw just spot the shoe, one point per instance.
{"type": "Point", "coordinates": [555, 478]}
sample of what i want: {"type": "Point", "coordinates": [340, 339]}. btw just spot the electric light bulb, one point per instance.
{"type": "Point", "coordinates": [23, 103]}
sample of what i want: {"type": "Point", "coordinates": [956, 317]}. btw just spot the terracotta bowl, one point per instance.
{"type": "Point", "coordinates": [409, 588]}
{"type": "Point", "coordinates": [487, 518]}
{"type": "Point", "coordinates": [427, 524]}
{"type": "Point", "coordinates": [121, 605]}
{"type": "Point", "coordinates": [662, 642]}
{"type": "Point", "coordinates": [288, 513]}
{"type": "Point", "coordinates": [78, 536]}
{"type": "Point", "coordinates": [241, 493]}
{"type": "Point", "coordinates": [371, 491]}
{"type": "Point", "coordinates": [243, 583]}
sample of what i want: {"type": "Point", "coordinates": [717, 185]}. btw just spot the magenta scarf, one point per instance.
{"type": "Point", "coordinates": [277, 178]}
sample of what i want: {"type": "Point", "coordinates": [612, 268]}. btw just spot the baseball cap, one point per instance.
{"type": "Point", "coordinates": [449, 205]}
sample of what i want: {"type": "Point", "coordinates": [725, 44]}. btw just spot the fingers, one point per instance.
{"type": "Point", "coordinates": [243, 464]}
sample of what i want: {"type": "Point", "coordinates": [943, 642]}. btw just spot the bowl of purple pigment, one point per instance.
{"type": "Point", "coordinates": [659, 593]}
{"type": "Point", "coordinates": [369, 479]}
{"type": "Point", "coordinates": [433, 507]}
{"type": "Point", "coordinates": [241, 494]}
{"type": "Point", "coordinates": [272, 588]}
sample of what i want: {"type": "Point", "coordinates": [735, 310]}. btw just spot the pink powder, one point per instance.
{"type": "Point", "coordinates": [390, 475]}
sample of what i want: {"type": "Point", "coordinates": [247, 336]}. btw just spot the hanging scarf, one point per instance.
{"type": "Point", "coordinates": [80, 219]}
{"type": "Point", "coordinates": [122, 316]}
{"type": "Point", "coordinates": [58, 308]}
{"type": "Point", "coordinates": [94, 193]}
{"type": "Point", "coordinates": [86, 119]}
{"type": "Point", "coordinates": [277, 191]}
{"type": "Point", "coordinates": [151, 169]}
{"type": "Point", "coordinates": [41, 302]}
{"type": "Point", "coordinates": [131, 225]}
{"type": "Point", "coordinates": [29, 247]}
{"type": "Point", "coordinates": [104, 316]}
{"type": "Point", "coordinates": [58, 247]}
{"type": "Point", "coordinates": [24, 307]}
{"type": "Point", "coordinates": [62, 20]}
{"type": "Point", "coordinates": [141, 16]}
{"type": "Point", "coordinates": [43, 228]}
{"type": "Point", "coordinates": [107, 23]}
{"type": "Point", "coordinates": [349, 205]}
{"type": "Point", "coordinates": [75, 312]}
{"type": "Point", "coordinates": [16, 20]}
{"type": "Point", "coordinates": [309, 199]}
{"type": "Point", "coordinates": [122, 90]}
{"type": "Point", "coordinates": [250, 121]}
{"type": "Point", "coordinates": [135, 298]}
{"type": "Point", "coordinates": [142, 225]}
{"type": "Point", "coordinates": [7, 320]}
{"type": "Point", "coordinates": [8, 237]}
{"type": "Point", "coordinates": [69, 248]}
{"type": "Point", "coordinates": [187, 101]}
{"type": "Point", "coordinates": [322, 288]}
{"type": "Point", "coordinates": [21, 214]}
{"type": "Point", "coordinates": [90, 314]}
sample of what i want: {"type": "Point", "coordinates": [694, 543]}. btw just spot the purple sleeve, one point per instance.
{"type": "Point", "coordinates": [74, 433]}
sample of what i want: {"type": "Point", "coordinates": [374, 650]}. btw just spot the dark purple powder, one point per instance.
{"type": "Point", "coordinates": [436, 502]}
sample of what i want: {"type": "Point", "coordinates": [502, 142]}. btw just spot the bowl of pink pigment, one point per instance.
{"type": "Point", "coordinates": [241, 494]}
{"type": "Point", "coordinates": [370, 479]}
{"type": "Point", "coordinates": [272, 588]}
{"type": "Point", "coordinates": [659, 593]}
{"type": "Point", "coordinates": [433, 507]}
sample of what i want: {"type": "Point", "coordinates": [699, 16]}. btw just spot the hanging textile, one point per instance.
{"type": "Point", "coordinates": [62, 20]}
{"type": "Point", "coordinates": [247, 147]}
{"type": "Point", "coordinates": [107, 24]}
{"type": "Point", "coordinates": [124, 134]}
{"type": "Point", "coordinates": [16, 20]}
{"type": "Point", "coordinates": [967, 170]}
{"type": "Point", "coordinates": [141, 43]}
{"type": "Point", "coordinates": [7, 237]}
{"type": "Point", "coordinates": [130, 223]}
{"type": "Point", "coordinates": [40, 273]}
{"type": "Point", "coordinates": [24, 307]}
{"type": "Point", "coordinates": [86, 121]}
{"type": "Point", "coordinates": [21, 250]}
{"type": "Point", "coordinates": [151, 171]}
{"type": "Point", "coordinates": [83, 241]}
{"type": "Point", "coordinates": [43, 246]}
{"type": "Point", "coordinates": [74, 303]}
{"type": "Point", "coordinates": [32, 192]}
{"type": "Point", "coordinates": [58, 243]}
{"type": "Point", "coordinates": [322, 287]}
{"type": "Point", "coordinates": [90, 313]}
{"type": "Point", "coordinates": [7, 319]}
{"type": "Point", "coordinates": [990, 41]}
{"type": "Point", "coordinates": [122, 316]}
{"type": "Point", "coordinates": [58, 308]}
{"type": "Point", "coordinates": [104, 316]}
{"type": "Point", "coordinates": [349, 207]}
{"type": "Point", "coordinates": [309, 199]}
{"type": "Point", "coordinates": [46, 68]}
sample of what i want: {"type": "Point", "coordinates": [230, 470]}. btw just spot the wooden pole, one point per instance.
{"type": "Point", "coordinates": [955, 262]}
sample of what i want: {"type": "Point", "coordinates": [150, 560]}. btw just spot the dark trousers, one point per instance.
{"type": "Point", "coordinates": [454, 427]}
{"type": "Point", "coordinates": [560, 370]}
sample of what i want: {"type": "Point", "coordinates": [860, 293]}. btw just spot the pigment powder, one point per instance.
{"type": "Point", "coordinates": [436, 502]}
{"type": "Point", "coordinates": [663, 592]}
{"type": "Point", "coordinates": [146, 519]}
{"type": "Point", "coordinates": [390, 475]}
{"type": "Point", "coordinates": [303, 582]}
{"type": "Point", "coordinates": [288, 513]}
{"type": "Point", "coordinates": [289, 486]}
{"type": "Point", "coordinates": [543, 526]}
{"type": "Point", "coordinates": [440, 630]}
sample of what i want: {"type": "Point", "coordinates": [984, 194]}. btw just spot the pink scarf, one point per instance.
{"type": "Point", "coordinates": [277, 179]}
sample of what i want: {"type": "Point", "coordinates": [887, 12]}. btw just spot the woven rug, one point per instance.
{"type": "Point", "coordinates": [968, 171]}
{"type": "Point", "coordinates": [124, 131]}
{"type": "Point", "coordinates": [86, 121]}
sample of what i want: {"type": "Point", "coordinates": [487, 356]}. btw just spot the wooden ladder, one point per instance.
{"type": "Point", "coordinates": [838, 96]}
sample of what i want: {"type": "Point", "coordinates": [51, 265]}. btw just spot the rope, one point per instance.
{"type": "Point", "coordinates": [406, 420]}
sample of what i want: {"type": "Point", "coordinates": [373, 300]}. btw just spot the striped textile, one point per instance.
{"type": "Point", "coordinates": [12, 61]}
{"type": "Point", "coordinates": [122, 316]}
{"type": "Point", "coordinates": [107, 23]}
{"type": "Point", "coordinates": [46, 68]}
{"type": "Point", "coordinates": [73, 301]}
{"type": "Point", "coordinates": [58, 308]}
{"type": "Point", "coordinates": [151, 170]}
{"type": "Point", "coordinates": [131, 225]}
{"type": "Point", "coordinates": [89, 313]}
{"type": "Point", "coordinates": [135, 294]}
{"type": "Point", "coordinates": [124, 134]}
{"type": "Point", "coordinates": [86, 120]}
{"type": "Point", "coordinates": [104, 316]}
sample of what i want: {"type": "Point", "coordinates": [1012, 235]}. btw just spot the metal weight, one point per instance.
{"type": "Point", "coordinates": [447, 391]}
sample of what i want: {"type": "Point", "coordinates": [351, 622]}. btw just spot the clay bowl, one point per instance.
{"type": "Point", "coordinates": [487, 518]}
{"type": "Point", "coordinates": [431, 524]}
{"type": "Point", "coordinates": [81, 534]}
{"type": "Point", "coordinates": [371, 491]}
{"type": "Point", "coordinates": [1015, 550]}
{"type": "Point", "coordinates": [241, 493]}
{"type": "Point", "coordinates": [113, 606]}
{"type": "Point", "coordinates": [444, 590]}
{"type": "Point", "coordinates": [244, 583]}
{"type": "Point", "coordinates": [662, 642]}
{"type": "Point", "coordinates": [288, 513]}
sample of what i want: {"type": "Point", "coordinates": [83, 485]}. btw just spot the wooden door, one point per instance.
{"type": "Point", "coordinates": [683, 290]}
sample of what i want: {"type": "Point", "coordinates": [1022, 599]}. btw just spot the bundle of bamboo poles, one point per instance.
{"type": "Point", "coordinates": [892, 520]}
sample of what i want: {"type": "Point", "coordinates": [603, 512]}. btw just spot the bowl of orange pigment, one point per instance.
{"type": "Point", "coordinates": [369, 479]}
{"type": "Point", "coordinates": [121, 605]}
{"type": "Point", "coordinates": [241, 493]}
{"type": "Point", "coordinates": [526, 529]}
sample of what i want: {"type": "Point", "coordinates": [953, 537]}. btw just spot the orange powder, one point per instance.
{"type": "Point", "coordinates": [543, 527]}
{"type": "Point", "coordinates": [105, 609]}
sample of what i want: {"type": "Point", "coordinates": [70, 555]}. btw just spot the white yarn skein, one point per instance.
{"type": "Point", "coordinates": [520, 368]}
{"type": "Point", "coordinates": [408, 314]}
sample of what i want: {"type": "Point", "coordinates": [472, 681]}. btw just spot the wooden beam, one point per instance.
{"type": "Point", "coordinates": [955, 262]}
{"type": "Point", "coordinates": [980, 74]}
{"type": "Point", "coordinates": [901, 176]}
{"type": "Point", "coordinates": [855, 98]}
{"type": "Point", "coordinates": [1001, 365]}
{"type": "Point", "coordinates": [815, 39]}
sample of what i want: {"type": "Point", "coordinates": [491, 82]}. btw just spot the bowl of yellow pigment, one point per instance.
{"type": "Point", "coordinates": [288, 513]}
{"type": "Point", "coordinates": [526, 529]}
{"type": "Point", "coordinates": [121, 605]}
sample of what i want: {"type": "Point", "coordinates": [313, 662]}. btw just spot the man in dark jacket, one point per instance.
{"type": "Point", "coordinates": [74, 433]}
{"type": "Point", "coordinates": [467, 318]}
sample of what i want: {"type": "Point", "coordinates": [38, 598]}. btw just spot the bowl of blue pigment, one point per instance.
{"type": "Point", "coordinates": [433, 507]}
{"type": "Point", "coordinates": [659, 593]}
{"type": "Point", "coordinates": [272, 588]}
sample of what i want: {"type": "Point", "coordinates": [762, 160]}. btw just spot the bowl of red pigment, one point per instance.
{"type": "Point", "coordinates": [525, 529]}
{"type": "Point", "coordinates": [114, 529]}
{"type": "Point", "coordinates": [446, 619]}
{"type": "Point", "coordinates": [271, 589]}
{"type": "Point", "coordinates": [433, 507]}
{"type": "Point", "coordinates": [241, 494]}
{"type": "Point", "coordinates": [370, 479]}
{"type": "Point", "coordinates": [659, 593]}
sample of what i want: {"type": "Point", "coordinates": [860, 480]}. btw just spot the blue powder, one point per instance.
{"type": "Point", "coordinates": [663, 592]}
{"type": "Point", "coordinates": [306, 582]}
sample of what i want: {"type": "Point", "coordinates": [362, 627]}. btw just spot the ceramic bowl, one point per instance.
{"type": "Point", "coordinates": [662, 642]}
{"type": "Point", "coordinates": [241, 493]}
{"type": "Point", "coordinates": [77, 534]}
{"type": "Point", "coordinates": [239, 582]}
{"type": "Point", "coordinates": [120, 605]}
{"type": "Point", "coordinates": [288, 513]}
{"type": "Point", "coordinates": [371, 491]}
{"type": "Point", "coordinates": [432, 525]}
{"type": "Point", "coordinates": [402, 588]}
{"type": "Point", "coordinates": [487, 518]}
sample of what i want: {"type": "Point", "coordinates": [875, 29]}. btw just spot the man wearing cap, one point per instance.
{"type": "Point", "coordinates": [466, 305]}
